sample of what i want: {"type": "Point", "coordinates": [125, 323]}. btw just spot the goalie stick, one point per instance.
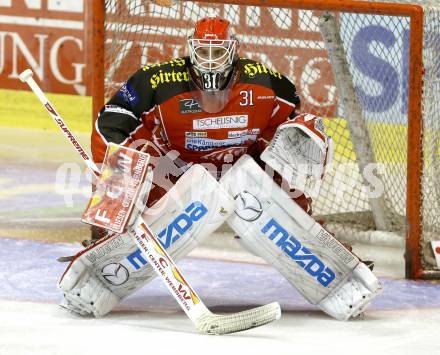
{"type": "Point", "coordinates": [204, 320]}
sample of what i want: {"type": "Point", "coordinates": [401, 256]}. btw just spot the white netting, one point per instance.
{"type": "Point", "coordinates": [140, 32]}
{"type": "Point", "coordinates": [431, 127]}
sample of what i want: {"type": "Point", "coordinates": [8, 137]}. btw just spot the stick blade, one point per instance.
{"type": "Point", "coordinates": [224, 324]}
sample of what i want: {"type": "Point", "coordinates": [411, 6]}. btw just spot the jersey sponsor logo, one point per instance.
{"type": "Point", "coordinates": [237, 134]}
{"type": "Point", "coordinates": [196, 134]}
{"type": "Point", "coordinates": [163, 77]}
{"type": "Point", "coordinates": [319, 125]}
{"type": "Point", "coordinates": [231, 121]}
{"type": "Point", "coordinates": [244, 132]}
{"type": "Point", "coordinates": [128, 93]}
{"type": "Point", "coordinates": [314, 266]}
{"type": "Point", "coordinates": [265, 97]}
{"type": "Point", "coordinates": [253, 69]}
{"type": "Point", "coordinates": [249, 207]}
{"type": "Point", "coordinates": [203, 144]}
{"type": "Point", "coordinates": [178, 62]}
{"type": "Point", "coordinates": [189, 106]}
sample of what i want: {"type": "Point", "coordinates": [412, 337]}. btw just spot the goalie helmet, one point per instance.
{"type": "Point", "coordinates": [212, 52]}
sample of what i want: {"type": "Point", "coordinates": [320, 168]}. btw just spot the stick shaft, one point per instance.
{"type": "Point", "coordinates": [61, 124]}
{"type": "Point", "coordinates": [167, 270]}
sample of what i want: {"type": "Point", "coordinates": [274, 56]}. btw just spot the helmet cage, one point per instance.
{"type": "Point", "coordinates": [212, 54]}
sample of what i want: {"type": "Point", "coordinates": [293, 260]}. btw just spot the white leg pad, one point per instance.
{"type": "Point", "coordinates": [353, 296]}
{"type": "Point", "coordinates": [272, 226]}
{"type": "Point", "coordinates": [103, 274]}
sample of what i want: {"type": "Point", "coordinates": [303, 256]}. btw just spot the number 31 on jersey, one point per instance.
{"type": "Point", "coordinates": [247, 98]}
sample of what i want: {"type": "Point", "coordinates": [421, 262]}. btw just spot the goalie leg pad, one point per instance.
{"type": "Point", "coordinates": [84, 293]}
{"type": "Point", "coordinates": [114, 267]}
{"type": "Point", "coordinates": [353, 296]}
{"type": "Point", "coordinates": [357, 292]}
{"type": "Point", "coordinates": [274, 227]}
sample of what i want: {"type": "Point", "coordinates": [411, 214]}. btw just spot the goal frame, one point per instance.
{"type": "Point", "coordinates": [95, 16]}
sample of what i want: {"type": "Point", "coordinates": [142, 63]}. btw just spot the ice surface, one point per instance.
{"type": "Point", "coordinates": [405, 319]}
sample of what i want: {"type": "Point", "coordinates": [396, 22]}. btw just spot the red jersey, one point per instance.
{"type": "Point", "coordinates": [156, 104]}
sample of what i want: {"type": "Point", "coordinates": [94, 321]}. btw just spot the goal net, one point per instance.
{"type": "Point", "coordinates": [370, 70]}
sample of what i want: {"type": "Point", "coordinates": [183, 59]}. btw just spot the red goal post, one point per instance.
{"type": "Point", "coordinates": [252, 19]}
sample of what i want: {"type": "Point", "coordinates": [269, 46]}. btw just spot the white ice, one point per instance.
{"type": "Point", "coordinates": [404, 320]}
{"type": "Point", "coordinates": [43, 328]}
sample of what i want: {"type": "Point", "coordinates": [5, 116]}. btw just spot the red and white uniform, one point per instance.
{"type": "Point", "coordinates": [157, 104]}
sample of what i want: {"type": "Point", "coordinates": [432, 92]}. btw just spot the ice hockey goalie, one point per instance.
{"type": "Point", "coordinates": [221, 130]}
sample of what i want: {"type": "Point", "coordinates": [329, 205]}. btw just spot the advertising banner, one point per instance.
{"type": "Point", "coordinates": [51, 37]}
{"type": "Point", "coordinates": [48, 37]}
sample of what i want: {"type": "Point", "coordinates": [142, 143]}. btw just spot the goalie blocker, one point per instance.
{"type": "Point", "coordinates": [275, 228]}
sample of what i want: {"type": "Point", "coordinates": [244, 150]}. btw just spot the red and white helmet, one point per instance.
{"type": "Point", "coordinates": [212, 52]}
